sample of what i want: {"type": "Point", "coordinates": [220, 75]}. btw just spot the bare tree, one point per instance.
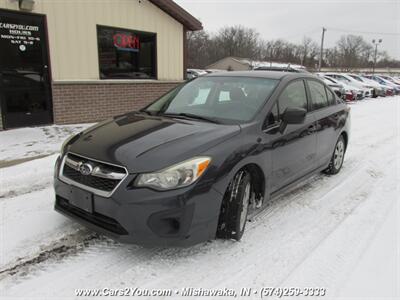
{"type": "Point", "coordinates": [350, 51]}
{"type": "Point", "coordinates": [237, 41]}
{"type": "Point", "coordinates": [307, 51]}
{"type": "Point", "coordinates": [198, 49]}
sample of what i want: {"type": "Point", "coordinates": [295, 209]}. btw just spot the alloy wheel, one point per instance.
{"type": "Point", "coordinates": [339, 154]}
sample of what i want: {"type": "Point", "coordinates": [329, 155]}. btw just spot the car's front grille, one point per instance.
{"type": "Point", "coordinates": [92, 181]}
{"type": "Point", "coordinates": [100, 178]}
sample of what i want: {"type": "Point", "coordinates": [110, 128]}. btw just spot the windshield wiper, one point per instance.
{"type": "Point", "coordinates": [145, 111]}
{"type": "Point", "coordinates": [191, 116]}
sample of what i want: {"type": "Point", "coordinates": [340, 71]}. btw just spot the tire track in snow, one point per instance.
{"type": "Point", "coordinates": [68, 245]}
{"type": "Point", "coordinates": [306, 243]}
{"type": "Point", "coordinates": [29, 225]}
{"type": "Point", "coordinates": [349, 241]}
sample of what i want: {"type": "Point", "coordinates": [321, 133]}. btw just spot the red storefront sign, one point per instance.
{"type": "Point", "coordinates": [127, 42]}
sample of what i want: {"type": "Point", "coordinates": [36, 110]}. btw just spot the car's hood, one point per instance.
{"type": "Point", "coordinates": [144, 143]}
{"type": "Point", "coordinates": [367, 86]}
{"type": "Point", "coordinates": [351, 87]}
{"type": "Point", "coordinates": [334, 85]}
{"type": "Point", "coordinates": [373, 84]}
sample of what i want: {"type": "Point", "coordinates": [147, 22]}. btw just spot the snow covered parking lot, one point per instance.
{"type": "Point", "coordinates": [341, 232]}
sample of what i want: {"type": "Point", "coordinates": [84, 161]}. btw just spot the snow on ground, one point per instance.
{"type": "Point", "coordinates": [340, 232]}
{"type": "Point", "coordinates": [36, 141]}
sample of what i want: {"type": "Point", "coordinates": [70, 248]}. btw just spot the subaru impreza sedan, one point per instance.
{"type": "Point", "coordinates": [198, 162]}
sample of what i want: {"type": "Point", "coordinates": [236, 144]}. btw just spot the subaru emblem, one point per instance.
{"type": "Point", "coordinates": [85, 169]}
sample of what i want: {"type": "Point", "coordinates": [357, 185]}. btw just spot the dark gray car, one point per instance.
{"type": "Point", "coordinates": [186, 168]}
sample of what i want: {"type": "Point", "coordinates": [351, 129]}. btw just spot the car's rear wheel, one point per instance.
{"type": "Point", "coordinates": [337, 158]}
{"type": "Point", "coordinates": [235, 206]}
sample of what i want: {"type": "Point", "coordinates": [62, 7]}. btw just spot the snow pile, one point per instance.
{"type": "Point", "coordinates": [35, 141]}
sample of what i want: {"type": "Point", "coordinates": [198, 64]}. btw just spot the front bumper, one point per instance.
{"type": "Point", "coordinates": [179, 218]}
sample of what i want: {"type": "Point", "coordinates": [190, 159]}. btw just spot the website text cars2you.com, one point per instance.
{"type": "Point", "coordinates": [202, 292]}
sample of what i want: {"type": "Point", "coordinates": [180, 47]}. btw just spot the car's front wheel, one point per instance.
{"type": "Point", "coordinates": [337, 158]}
{"type": "Point", "coordinates": [234, 210]}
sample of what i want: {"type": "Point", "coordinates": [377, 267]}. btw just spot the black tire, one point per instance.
{"type": "Point", "coordinates": [234, 210]}
{"type": "Point", "coordinates": [337, 159]}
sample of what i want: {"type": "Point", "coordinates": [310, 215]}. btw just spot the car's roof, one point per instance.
{"type": "Point", "coordinates": [260, 74]}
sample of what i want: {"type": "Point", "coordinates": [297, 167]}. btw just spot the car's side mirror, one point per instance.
{"type": "Point", "coordinates": [292, 115]}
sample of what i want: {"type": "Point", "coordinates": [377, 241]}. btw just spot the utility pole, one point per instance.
{"type": "Point", "coordinates": [322, 49]}
{"type": "Point", "coordinates": [376, 43]}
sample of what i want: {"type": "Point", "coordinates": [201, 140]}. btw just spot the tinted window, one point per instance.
{"type": "Point", "coordinates": [294, 95]}
{"type": "Point", "coordinates": [343, 79]}
{"type": "Point", "coordinates": [356, 77]}
{"type": "Point", "coordinates": [126, 54]}
{"type": "Point", "coordinates": [331, 97]}
{"type": "Point", "coordinates": [318, 94]}
{"type": "Point", "coordinates": [330, 79]}
{"type": "Point", "coordinates": [222, 98]}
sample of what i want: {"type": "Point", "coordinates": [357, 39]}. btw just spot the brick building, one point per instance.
{"type": "Point", "coordinates": [81, 61]}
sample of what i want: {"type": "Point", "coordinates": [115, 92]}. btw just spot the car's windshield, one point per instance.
{"type": "Point", "coordinates": [330, 79]}
{"type": "Point", "coordinates": [356, 78]}
{"type": "Point", "coordinates": [223, 99]}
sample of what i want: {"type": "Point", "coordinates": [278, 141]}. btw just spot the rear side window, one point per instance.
{"type": "Point", "coordinates": [331, 97]}
{"type": "Point", "coordinates": [318, 95]}
{"type": "Point", "coordinates": [294, 95]}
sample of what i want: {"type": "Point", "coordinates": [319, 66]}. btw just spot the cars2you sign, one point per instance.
{"type": "Point", "coordinates": [126, 42]}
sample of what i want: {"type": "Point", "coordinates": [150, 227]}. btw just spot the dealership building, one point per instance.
{"type": "Point", "coordinates": [78, 61]}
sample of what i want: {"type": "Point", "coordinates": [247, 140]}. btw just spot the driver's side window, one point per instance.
{"type": "Point", "coordinates": [294, 95]}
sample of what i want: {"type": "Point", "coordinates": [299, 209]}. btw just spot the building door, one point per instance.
{"type": "Point", "coordinates": [25, 91]}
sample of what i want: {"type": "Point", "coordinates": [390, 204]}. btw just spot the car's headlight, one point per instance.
{"type": "Point", "coordinates": [177, 176]}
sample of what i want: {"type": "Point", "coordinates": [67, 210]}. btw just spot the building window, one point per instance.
{"type": "Point", "coordinates": [126, 54]}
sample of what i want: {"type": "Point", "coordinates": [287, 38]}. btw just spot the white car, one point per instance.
{"type": "Point", "coordinates": [394, 87]}
{"type": "Point", "coordinates": [193, 73]}
{"type": "Point", "coordinates": [391, 79]}
{"type": "Point", "coordinates": [378, 89]}
{"type": "Point", "coordinates": [342, 77]}
{"type": "Point", "coordinates": [213, 71]}
{"type": "Point", "coordinates": [351, 93]}
{"type": "Point", "coordinates": [337, 87]}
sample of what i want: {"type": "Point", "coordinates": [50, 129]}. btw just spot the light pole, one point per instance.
{"type": "Point", "coordinates": [376, 43]}
{"type": "Point", "coordinates": [322, 49]}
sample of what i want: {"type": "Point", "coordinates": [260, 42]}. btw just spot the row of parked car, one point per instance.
{"type": "Point", "coordinates": [351, 87]}
{"type": "Point", "coordinates": [347, 86]}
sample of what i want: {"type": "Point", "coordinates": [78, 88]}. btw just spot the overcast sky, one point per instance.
{"type": "Point", "coordinates": [291, 20]}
